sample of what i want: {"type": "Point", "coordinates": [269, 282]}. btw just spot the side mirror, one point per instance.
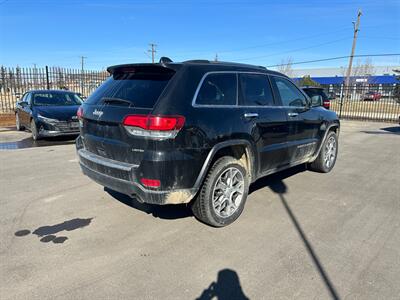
{"type": "Point", "coordinates": [23, 103]}
{"type": "Point", "coordinates": [316, 101]}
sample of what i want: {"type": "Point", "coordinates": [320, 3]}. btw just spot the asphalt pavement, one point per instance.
{"type": "Point", "coordinates": [302, 234]}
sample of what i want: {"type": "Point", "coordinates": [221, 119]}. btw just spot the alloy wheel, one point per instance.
{"type": "Point", "coordinates": [228, 192]}
{"type": "Point", "coordinates": [330, 152]}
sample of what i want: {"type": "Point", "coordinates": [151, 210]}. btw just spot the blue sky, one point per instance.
{"type": "Point", "coordinates": [56, 33]}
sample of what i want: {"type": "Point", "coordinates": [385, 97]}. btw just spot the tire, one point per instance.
{"type": "Point", "coordinates": [322, 163]}
{"type": "Point", "coordinates": [226, 211]}
{"type": "Point", "coordinates": [35, 133]}
{"type": "Point", "coordinates": [18, 123]}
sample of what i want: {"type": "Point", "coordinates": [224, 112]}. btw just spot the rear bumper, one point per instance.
{"type": "Point", "coordinates": [134, 190]}
{"type": "Point", "coordinates": [121, 177]}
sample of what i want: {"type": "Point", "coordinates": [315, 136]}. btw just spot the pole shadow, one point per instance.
{"type": "Point", "coordinates": [280, 188]}
{"type": "Point", "coordinates": [227, 287]}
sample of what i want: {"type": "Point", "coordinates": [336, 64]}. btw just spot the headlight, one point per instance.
{"type": "Point", "coordinates": [47, 120]}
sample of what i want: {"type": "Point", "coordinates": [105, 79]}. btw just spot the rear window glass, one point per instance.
{"type": "Point", "coordinates": [131, 89]}
{"type": "Point", "coordinates": [218, 89]}
{"type": "Point", "coordinates": [316, 92]}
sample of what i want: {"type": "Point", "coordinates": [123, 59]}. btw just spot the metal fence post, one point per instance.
{"type": "Point", "coordinates": [47, 78]}
{"type": "Point", "coordinates": [341, 101]}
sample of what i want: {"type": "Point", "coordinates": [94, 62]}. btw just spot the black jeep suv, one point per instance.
{"type": "Point", "coordinates": [200, 132]}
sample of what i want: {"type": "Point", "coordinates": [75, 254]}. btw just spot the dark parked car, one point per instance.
{"type": "Point", "coordinates": [312, 91]}
{"type": "Point", "coordinates": [200, 132]}
{"type": "Point", "coordinates": [48, 113]}
{"type": "Point", "coordinates": [372, 96]}
{"type": "Point", "coordinates": [80, 95]}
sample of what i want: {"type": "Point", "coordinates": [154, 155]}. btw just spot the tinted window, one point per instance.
{"type": "Point", "coordinates": [289, 94]}
{"type": "Point", "coordinates": [28, 98]}
{"type": "Point", "coordinates": [23, 98]}
{"type": "Point", "coordinates": [218, 89]}
{"type": "Point", "coordinates": [58, 99]}
{"type": "Point", "coordinates": [135, 89]}
{"type": "Point", "coordinates": [256, 90]}
{"type": "Point", "coordinates": [316, 92]}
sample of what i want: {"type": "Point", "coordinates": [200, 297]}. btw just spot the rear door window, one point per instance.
{"type": "Point", "coordinates": [218, 89]}
{"type": "Point", "coordinates": [290, 95]}
{"type": "Point", "coordinates": [316, 92]}
{"type": "Point", "coordinates": [256, 90]}
{"type": "Point", "coordinates": [140, 90]}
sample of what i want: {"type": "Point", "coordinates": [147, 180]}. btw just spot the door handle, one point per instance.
{"type": "Point", "coordinates": [251, 115]}
{"type": "Point", "coordinates": [292, 114]}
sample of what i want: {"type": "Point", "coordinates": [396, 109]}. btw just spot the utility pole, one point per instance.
{"type": "Point", "coordinates": [153, 51]}
{"type": "Point", "coordinates": [356, 26]}
{"type": "Point", "coordinates": [216, 57]}
{"type": "Point", "coordinates": [82, 71]}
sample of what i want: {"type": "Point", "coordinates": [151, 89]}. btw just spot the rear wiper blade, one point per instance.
{"type": "Point", "coordinates": [116, 100]}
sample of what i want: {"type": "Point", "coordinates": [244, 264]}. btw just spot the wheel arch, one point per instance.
{"type": "Point", "coordinates": [333, 126]}
{"type": "Point", "coordinates": [241, 149]}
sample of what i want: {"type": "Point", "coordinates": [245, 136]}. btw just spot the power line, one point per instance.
{"type": "Point", "coordinates": [291, 51]}
{"type": "Point", "coordinates": [335, 58]}
{"type": "Point", "coordinates": [379, 38]}
{"type": "Point", "coordinates": [265, 44]}
{"type": "Point", "coordinates": [283, 42]}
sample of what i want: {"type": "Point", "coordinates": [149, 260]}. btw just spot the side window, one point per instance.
{"type": "Point", "coordinates": [218, 89]}
{"type": "Point", "coordinates": [28, 98]}
{"type": "Point", "coordinates": [290, 95]}
{"type": "Point", "coordinates": [256, 90]}
{"type": "Point", "coordinates": [23, 98]}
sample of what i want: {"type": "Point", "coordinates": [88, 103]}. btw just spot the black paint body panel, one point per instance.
{"type": "Point", "coordinates": [273, 140]}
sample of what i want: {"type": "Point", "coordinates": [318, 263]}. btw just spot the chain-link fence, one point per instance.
{"type": "Point", "coordinates": [16, 81]}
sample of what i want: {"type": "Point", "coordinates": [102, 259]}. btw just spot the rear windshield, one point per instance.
{"type": "Point", "coordinates": [316, 92]}
{"type": "Point", "coordinates": [131, 89]}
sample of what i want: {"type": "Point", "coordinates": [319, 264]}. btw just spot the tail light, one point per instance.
{"type": "Point", "coordinates": [160, 127]}
{"type": "Point", "coordinates": [79, 113]}
{"type": "Point", "coordinates": [327, 104]}
{"type": "Point", "coordinates": [154, 183]}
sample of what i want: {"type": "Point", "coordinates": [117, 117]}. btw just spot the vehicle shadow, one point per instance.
{"type": "Point", "coordinates": [280, 188]}
{"type": "Point", "coordinates": [47, 233]}
{"type": "Point", "coordinates": [269, 180]}
{"type": "Point", "coordinates": [173, 211]}
{"type": "Point", "coordinates": [385, 130]}
{"type": "Point", "coordinates": [227, 287]}
{"type": "Point", "coordinates": [179, 211]}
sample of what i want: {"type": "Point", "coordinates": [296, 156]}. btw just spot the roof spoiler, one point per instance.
{"type": "Point", "coordinates": [165, 60]}
{"type": "Point", "coordinates": [142, 68]}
